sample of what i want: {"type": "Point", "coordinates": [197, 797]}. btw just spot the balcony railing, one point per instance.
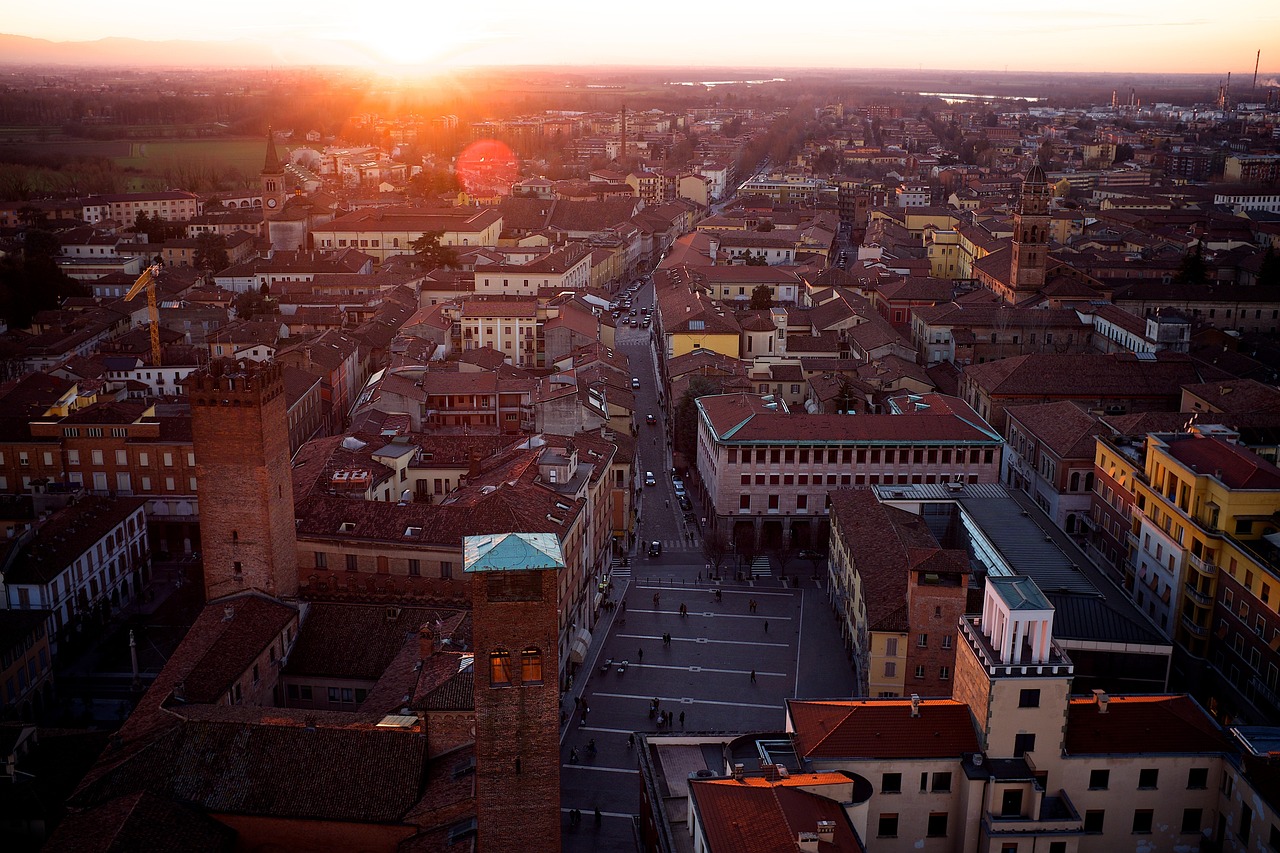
{"type": "Point", "coordinates": [1198, 597]}
{"type": "Point", "coordinates": [1263, 692]}
{"type": "Point", "coordinates": [1197, 630]}
{"type": "Point", "coordinates": [1204, 567]}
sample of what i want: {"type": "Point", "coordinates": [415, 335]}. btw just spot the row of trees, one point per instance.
{"type": "Point", "coordinates": [30, 280]}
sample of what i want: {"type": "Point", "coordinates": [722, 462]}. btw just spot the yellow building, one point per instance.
{"type": "Point", "coordinates": [944, 253]}
{"type": "Point", "coordinates": [391, 231]}
{"type": "Point", "coordinates": [1200, 500]}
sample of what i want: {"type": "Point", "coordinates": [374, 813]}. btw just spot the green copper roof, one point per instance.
{"type": "Point", "coordinates": [512, 552]}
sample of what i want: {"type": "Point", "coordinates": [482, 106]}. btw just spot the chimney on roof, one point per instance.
{"type": "Point", "coordinates": [426, 642]}
{"type": "Point", "coordinates": [826, 830]}
{"type": "Point", "coordinates": [1103, 699]}
{"type": "Point", "coordinates": [473, 468]}
{"type": "Point", "coordinates": [915, 704]}
{"type": "Point", "coordinates": [737, 772]}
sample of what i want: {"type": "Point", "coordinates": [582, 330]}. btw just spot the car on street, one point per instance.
{"type": "Point", "coordinates": [649, 480]}
{"type": "Point", "coordinates": [678, 485]}
{"type": "Point", "coordinates": [655, 548]}
{"type": "Point", "coordinates": [685, 504]}
{"type": "Point", "coordinates": [650, 419]}
{"type": "Point", "coordinates": [635, 382]}
{"type": "Point", "coordinates": [807, 554]}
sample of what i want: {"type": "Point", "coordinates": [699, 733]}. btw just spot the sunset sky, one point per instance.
{"type": "Point", "coordinates": [1084, 35]}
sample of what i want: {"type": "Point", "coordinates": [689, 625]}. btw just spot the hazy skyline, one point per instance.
{"type": "Point", "coordinates": [1088, 35]}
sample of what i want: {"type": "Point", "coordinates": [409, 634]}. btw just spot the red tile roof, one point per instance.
{"type": "Point", "coordinates": [1135, 725]}
{"type": "Point", "coordinates": [757, 815]}
{"type": "Point", "coordinates": [1237, 467]}
{"type": "Point", "coordinates": [881, 729]}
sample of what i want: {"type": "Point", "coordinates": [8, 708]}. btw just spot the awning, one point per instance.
{"type": "Point", "coordinates": [579, 644]}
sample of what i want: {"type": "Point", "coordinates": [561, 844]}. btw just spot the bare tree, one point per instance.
{"type": "Point", "coordinates": [715, 548]}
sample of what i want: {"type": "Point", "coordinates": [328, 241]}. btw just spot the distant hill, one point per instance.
{"type": "Point", "coordinates": [23, 50]}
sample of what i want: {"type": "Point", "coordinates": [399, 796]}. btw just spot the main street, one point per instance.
{"type": "Point", "coordinates": [789, 641]}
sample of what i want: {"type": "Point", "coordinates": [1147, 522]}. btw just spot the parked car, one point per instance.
{"type": "Point", "coordinates": [635, 380]}
{"type": "Point", "coordinates": [649, 480]}
{"type": "Point", "coordinates": [808, 554]}
{"type": "Point", "coordinates": [650, 419]}
{"type": "Point", "coordinates": [685, 504]}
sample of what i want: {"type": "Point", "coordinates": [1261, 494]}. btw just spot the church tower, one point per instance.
{"type": "Point", "coordinates": [1030, 236]}
{"type": "Point", "coordinates": [515, 628]}
{"type": "Point", "coordinates": [271, 180]}
{"type": "Point", "coordinates": [240, 436]}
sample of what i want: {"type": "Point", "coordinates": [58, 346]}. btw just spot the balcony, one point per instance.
{"type": "Point", "coordinates": [1198, 597]}
{"type": "Point", "coordinates": [1263, 692]}
{"type": "Point", "coordinates": [1196, 630]}
{"type": "Point", "coordinates": [1204, 567]}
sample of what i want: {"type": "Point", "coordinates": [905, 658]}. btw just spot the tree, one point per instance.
{"type": "Point", "coordinates": [30, 280]}
{"type": "Point", "coordinates": [431, 254]}
{"type": "Point", "coordinates": [761, 298]}
{"type": "Point", "coordinates": [1193, 269]}
{"type": "Point", "coordinates": [748, 547]}
{"type": "Point", "coordinates": [1124, 152]}
{"type": "Point", "coordinates": [784, 554]}
{"type": "Point", "coordinates": [715, 548]}
{"type": "Point", "coordinates": [211, 252]}
{"type": "Point", "coordinates": [756, 260]}
{"type": "Point", "coordinates": [685, 428]}
{"type": "Point", "coordinates": [765, 226]}
{"type": "Point", "coordinates": [1269, 272]}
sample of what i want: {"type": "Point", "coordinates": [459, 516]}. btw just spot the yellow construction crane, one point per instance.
{"type": "Point", "coordinates": [148, 280]}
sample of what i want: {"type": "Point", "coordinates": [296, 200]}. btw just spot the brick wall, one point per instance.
{"type": "Point", "coordinates": [517, 722]}
{"type": "Point", "coordinates": [241, 438]}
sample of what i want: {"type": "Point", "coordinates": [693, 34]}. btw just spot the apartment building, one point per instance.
{"type": "Point", "coordinates": [81, 563]}
{"type": "Point", "coordinates": [171, 206]}
{"type": "Point", "coordinates": [767, 473]}
{"type": "Point", "coordinates": [1012, 763]}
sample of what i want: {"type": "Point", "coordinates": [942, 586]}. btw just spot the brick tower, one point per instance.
{"type": "Point", "coordinates": [271, 179]}
{"type": "Point", "coordinates": [240, 436]}
{"type": "Point", "coordinates": [515, 627]}
{"type": "Point", "coordinates": [1030, 236]}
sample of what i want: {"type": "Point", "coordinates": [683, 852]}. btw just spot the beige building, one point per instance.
{"type": "Point", "coordinates": [385, 232]}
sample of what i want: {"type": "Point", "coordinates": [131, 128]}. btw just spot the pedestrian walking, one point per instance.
{"type": "Point", "coordinates": [631, 740]}
{"type": "Point", "coordinates": [699, 577]}
{"type": "Point", "coordinates": [640, 655]}
{"type": "Point", "coordinates": [753, 676]}
{"type": "Point", "coordinates": [766, 626]}
{"type": "Point", "coordinates": [624, 605]}
{"type": "Point", "coordinates": [599, 817]}
{"type": "Point", "coordinates": [682, 719]}
{"type": "Point", "coordinates": [573, 755]}
{"type": "Point", "coordinates": [575, 817]}
{"type": "Point", "coordinates": [655, 599]}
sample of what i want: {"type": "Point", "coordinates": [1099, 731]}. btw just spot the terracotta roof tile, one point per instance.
{"type": "Point", "coordinates": [881, 729]}
{"type": "Point", "coordinates": [1135, 725]}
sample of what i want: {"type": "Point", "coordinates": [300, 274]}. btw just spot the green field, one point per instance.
{"type": "Point", "coordinates": [244, 154]}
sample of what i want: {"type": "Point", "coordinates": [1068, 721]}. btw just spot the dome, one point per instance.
{"type": "Point", "coordinates": [1035, 176]}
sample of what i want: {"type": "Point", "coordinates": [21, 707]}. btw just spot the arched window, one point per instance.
{"type": "Point", "coordinates": [500, 668]}
{"type": "Point", "coordinates": [1088, 481]}
{"type": "Point", "coordinates": [1075, 481]}
{"type": "Point", "coordinates": [530, 666]}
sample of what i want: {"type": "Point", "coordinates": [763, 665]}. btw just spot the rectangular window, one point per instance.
{"type": "Point", "coordinates": [1093, 820]}
{"type": "Point", "coordinates": [1197, 778]}
{"type": "Point", "coordinates": [941, 783]}
{"type": "Point", "coordinates": [1142, 821]}
{"type": "Point", "coordinates": [937, 825]}
{"type": "Point", "coordinates": [1246, 823]}
{"type": "Point", "coordinates": [1147, 778]}
{"type": "Point", "coordinates": [744, 501]}
{"type": "Point", "coordinates": [1029, 699]}
{"type": "Point", "coordinates": [888, 825]}
{"type": "Point", "coordinates": [1192, 818]}
{"type": "Point", "coordinates": [322, 560]}
{"type": "Point", "coordinates": [415, 567]}
{"type": "Point", "coordinates": [891, 783]}
{"type": "Point", "coordinates": [1023, 743]}
{"type": "Point", "coordinates": [1099, 780]}
{"type": "Point", "coordinates": [353, 562]}
{"type": "Point", "coordinates": [446, 569]}
{"type": "Point", "coordinates": [923, 641]}
{"type": "Point", "coordinates": [944, 673]}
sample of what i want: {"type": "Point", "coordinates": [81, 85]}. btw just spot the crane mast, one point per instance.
{"type": "Point", "coordinates": [148, 281]}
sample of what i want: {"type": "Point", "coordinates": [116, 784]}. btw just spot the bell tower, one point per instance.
{"type": "Point", "coordinates": [515, 615]}
{"type": "Point", "coordinates": [240, 436]}
{"type": "Point", "coordinates": [271, 180]}
{"type": "Point", "coordinates": [1030, 236]}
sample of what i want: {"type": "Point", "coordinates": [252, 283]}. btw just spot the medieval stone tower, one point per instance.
{"type": "Point", "coordinates": [515, 627]}
{"type": "Point", "coordinates": [240, 436]}
{"type": "Point", "coordinates": [1030, 236]}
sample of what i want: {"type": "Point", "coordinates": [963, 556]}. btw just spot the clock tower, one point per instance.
{"type": "Point", "coordinates": [272, 182]}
